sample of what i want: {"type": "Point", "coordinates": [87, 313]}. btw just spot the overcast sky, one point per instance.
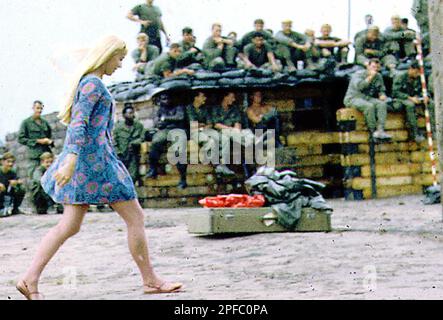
{"type": "Point", "coordinates": [32, 31]}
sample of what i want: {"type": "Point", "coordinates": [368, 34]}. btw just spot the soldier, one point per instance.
{"type": "Point", "coordinates": [169, 117]}
{"type": "Point", "coordinates": [10, 185]}
{"type": "Point", "coordinates": [292, 46]}
{"type": "Point", "coordinates": [219, 51]}
{"type": "Point", "coordinates": [367, 94]}
{"type": "Point", "coordinates": [259, 55]}
{"type": "Point", "coordinates": [36, 134]}
{"type": "Point", "coordinates": [420, 13]}
{"type": "Point", "coordinates": [369, 21]}
{"type": "Point", "coordinates": [259, 26]}
{"type": "Point", "coordinates": [150, 18]}
{"type": "Point", "coordinates": [332, 46]}
{"type": "Point", "coordinates": [262, 116]}
{"type": "Point", "coordinates": [128, 136]}
{"type": "Point", "coordinates": [406, 92]}
{"type": "Point", "coordinates": [166, 64]}
{"type": "Point", "coordinates": [144, 53]}
{"type": "Point", "coordinates": [226, 118]}
{"type": "Point", "coordinates": [399, 41]}
{"type": "Point", "coordinates": [373, 46]}
{"type": "Point", "coordinates": [190, 53]}
{"type": "Point", "coordinates": [41, 201]}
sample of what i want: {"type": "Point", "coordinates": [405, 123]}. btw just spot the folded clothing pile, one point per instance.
{"type": "Point", "coordinates": [287, 194]}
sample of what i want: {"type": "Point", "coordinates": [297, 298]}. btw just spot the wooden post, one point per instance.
{"type": "Point", "coordinates": [435, 10]}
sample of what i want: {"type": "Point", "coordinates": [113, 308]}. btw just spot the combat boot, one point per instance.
{"type": "Point", "coordinates": [152, 173]}
{"type": "Point", "coordinates": [223, 170]}
{"type": "Point", "coordinates": [381, 134]}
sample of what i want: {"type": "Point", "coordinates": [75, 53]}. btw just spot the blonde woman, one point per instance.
{"type": "Point", "coordinates": [89, 172]}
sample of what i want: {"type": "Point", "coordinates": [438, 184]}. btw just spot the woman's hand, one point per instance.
{"type": "Point", "coordinates": [65, 172]}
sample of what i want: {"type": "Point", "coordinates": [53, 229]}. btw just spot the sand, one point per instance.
{"type": "Point", "coordinates": [382, 249]}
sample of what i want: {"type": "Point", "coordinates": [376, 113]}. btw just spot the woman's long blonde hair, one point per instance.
{"type": "Point", "coordinates": [100, 54]}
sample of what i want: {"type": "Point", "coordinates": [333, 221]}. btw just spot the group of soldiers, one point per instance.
{"type": "Point", "coordinates": [35, 133]}
{"type": "Point", "coordinates": [211, 126]}
{"type": "Point", "coordinates": [285, 51]}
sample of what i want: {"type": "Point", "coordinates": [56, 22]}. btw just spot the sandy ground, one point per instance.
{"type": "Point", "coordinates": [384, 249]}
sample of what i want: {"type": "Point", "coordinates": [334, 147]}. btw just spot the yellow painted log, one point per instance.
{"type": "Point", "coordinates": [364, 183]}
{"type": "Point", "coordinates": [287, 105]}
{"type": "Point", "coordinates": [425, 179]}
{"type": "Point", "coordinates": [384, 158]}
{"type": "Point", "coordinates": [393, 191]}
{"type": "Point", "coordinates": [389, 147]}
{"type": "Point", "coordinates": [313, 137]}
{"type": "Point", "coordinates": [191, 169]}
{"type": "Point", "coordinates": [387, 170]}
{"type": "Point", "coordinates": [363, 136]}
{"type": "Point", "coordinates": [308, 150]}
{"type": "Point", "coordinates": [171, 180]}
{"type": "Point", "coordinates": [422, 156]}
{"type": "Point", "coordinates": [427, 168]}
{"type": "Point", "coordinates": [144, 148]}
{"type": "Point", "coordinates": [310, 172]}
{"type": "Point", "coordinates": [310, 161]}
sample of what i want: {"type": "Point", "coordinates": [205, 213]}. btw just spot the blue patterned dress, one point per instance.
{"type": "Point", "coordinates": [99, 176]}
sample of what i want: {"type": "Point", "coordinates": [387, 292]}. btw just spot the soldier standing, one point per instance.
{"type": "Point", "coordinates": [10, 185]}
{"type": "Point", "coordinates": [367, 94]}
{"type": "Point", "coordinates": [150, 18]}
{"type": "Point", "coordinates": [420, 13]}
{"type": "Point", "coordinates": [36, 134]}
{"type": "Point", "coordinates": [169, 117]}
{"type": "Point", "coordinates": [406, 92]}
{"type": "Point", "coordinates": [128, 136]}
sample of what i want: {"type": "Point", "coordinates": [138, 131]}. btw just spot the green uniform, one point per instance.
{"type": "Point", "coordinates": [230, 118]}
{"type": "Point", "coordinates": [364, 97]}
{"type": "Point", "coordinates": [188, 57]}
{"type": "Point", "coordinates": [339, 53]}
{"type": "Point", "coordinates": [152, 52]}
{"type": "Point", "coordinates": [379, 46]}
{"type": "Point", "coordinates": [287, 54]}
{"type": "Point", "coordinates": [247, 39]}
{"type": "Point", "coordinates": [403, 88]}
{"type": "Point", "coordinates": [360, 34]}
{"type": "Point", "coordinates": [127, 141]}
{"type": "Point", "coordinates": [420, 12]}
{"type": "Point", "coordinates": [17, 193]}
{"type": "Point", "coordinates": [400, 43]}
{"type": "Point", "coordinates": [162, 63]}
{"type": "Point", "coordinates": [259, 57]}
{"type": "Point", "coordinates": [218, 58]}
{"type": "Point", "coordinates": [154, 14]}
{"type": "Point", "coordinates": [39, 198]}
{"type": "Point", "coordinates": [30, 131]}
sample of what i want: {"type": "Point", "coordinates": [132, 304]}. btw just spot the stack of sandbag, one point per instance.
{"type": "Point", "coordinates": [401, 166]}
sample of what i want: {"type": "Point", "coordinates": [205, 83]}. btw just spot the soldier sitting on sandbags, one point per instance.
{"type": "Point", "coordinates": [190, 54]}
{"type": "Point", "coordinates": [259, 54]}
{"type": "Point", "coordinates": [407, 92]}
{"type": "Point", "coordinates": [332, 46]}
{"type": "Point", "coordinates": [144, 53]}
{"type": "Point", "coordinates": [371, 46]}
{"type": "Point", "coordinates": [41, 201]}
{"type": "Point", "coordinates": [220, 52]}
{"type": "Point", "coordinates": [12, 191]}
{"type": "Point", "coordinates": [166, 64]}
{"type": "Point", "coordinates": [367, 94]}
{"type": "Point", "coordinates": [400, 41]}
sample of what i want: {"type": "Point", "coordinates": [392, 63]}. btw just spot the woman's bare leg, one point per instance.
{"type": "Point", "coordinates": [132, 214]}
{"type": "Point", "coordinates": [68, 226]}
